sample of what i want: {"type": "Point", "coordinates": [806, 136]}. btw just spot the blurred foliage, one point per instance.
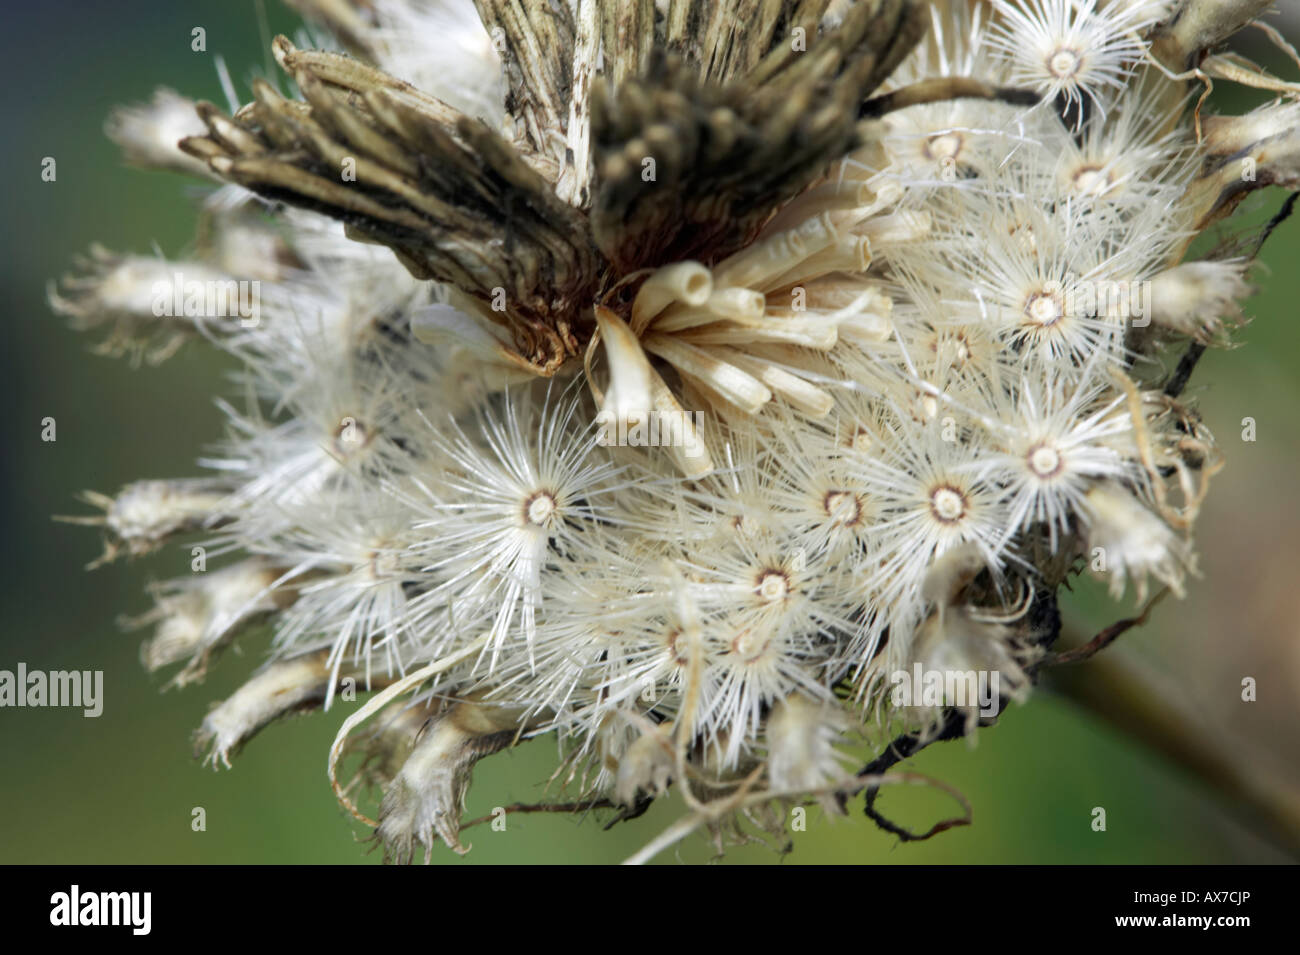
{"type": "Point", "coordinates": [121, 788]}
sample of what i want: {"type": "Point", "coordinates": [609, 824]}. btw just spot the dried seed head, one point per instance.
{"type": "Point", "coordinates": [838, 328]}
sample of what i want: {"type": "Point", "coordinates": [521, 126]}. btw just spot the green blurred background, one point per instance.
{"type": "Point", "coordinates": [121, 788]}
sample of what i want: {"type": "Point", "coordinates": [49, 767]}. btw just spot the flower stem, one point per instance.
{"type": "Point", "coordinates": [1119, 689]}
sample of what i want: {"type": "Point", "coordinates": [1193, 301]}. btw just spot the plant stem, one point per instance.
{"type": "Point", "coordinates": [1119, 689]}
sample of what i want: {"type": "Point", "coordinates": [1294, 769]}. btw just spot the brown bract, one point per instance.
{"type": "Point", "coordinates": [696, 128]}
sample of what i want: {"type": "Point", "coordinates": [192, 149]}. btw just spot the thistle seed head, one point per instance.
{"type": "Point", "coordinates": [666, 378]}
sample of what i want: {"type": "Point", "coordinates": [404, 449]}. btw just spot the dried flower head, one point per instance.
{"type": "Point", "coordinates": [671, 377]}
